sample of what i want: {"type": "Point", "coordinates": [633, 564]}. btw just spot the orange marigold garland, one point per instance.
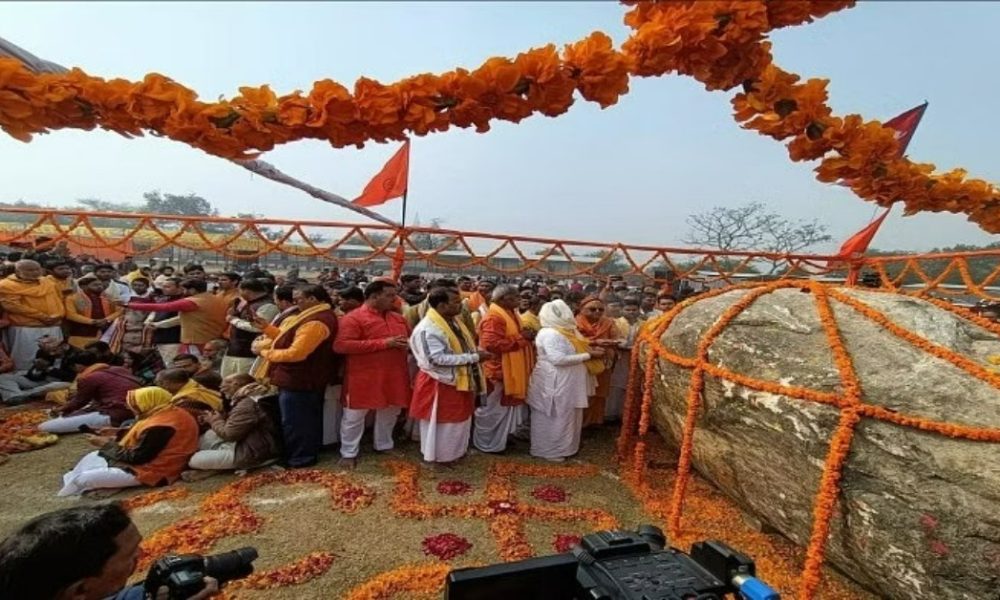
{"type": "Point", "coordinates": [721, 43]}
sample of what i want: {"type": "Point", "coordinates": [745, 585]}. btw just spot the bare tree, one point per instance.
{"type": "Point", "coordinates": [752, 227]}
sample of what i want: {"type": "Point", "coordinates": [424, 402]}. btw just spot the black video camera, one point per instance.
{"type": "Point", "coordinates": [617, 565]}
{"type": "Point", "coordinates": [184, 575]}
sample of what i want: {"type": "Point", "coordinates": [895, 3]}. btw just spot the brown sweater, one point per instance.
{"type": "Point", "coordinates": [249, 426]}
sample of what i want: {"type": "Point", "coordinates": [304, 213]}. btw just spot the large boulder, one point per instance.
{"type": "Point", "coordinates": [919, 513]}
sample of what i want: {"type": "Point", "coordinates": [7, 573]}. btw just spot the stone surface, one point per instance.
{"type": "Point", "coordinates": [919, 513]}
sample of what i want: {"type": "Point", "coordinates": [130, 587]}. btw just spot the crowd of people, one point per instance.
{"type": "Point", "coordinates": [180, 373]}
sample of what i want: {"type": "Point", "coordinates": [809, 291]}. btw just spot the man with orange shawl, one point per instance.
{"type": "Point", "coordinates": [601, 332]}
{"type": "Point", "coordinates": [34, 306]}
{"type": "Point", "coordinates": [502, 334]}
{"type": "Point", "coordinates": [153, 452]}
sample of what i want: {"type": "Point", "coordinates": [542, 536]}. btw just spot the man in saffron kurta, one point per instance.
{"type": "Point", "coordinates": [449, 378]}
{"type": "Point", "coordinates": [374, 339]}
{"type": "Point", "coordinates": [202, 315]}
{"type": "Point", "coordinates": [34, 306]}
{"type": "Point", "coordinates": [502, 334]}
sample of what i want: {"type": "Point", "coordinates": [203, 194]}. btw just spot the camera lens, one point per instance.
{"type": "Point", "coordinates": [231, 565]}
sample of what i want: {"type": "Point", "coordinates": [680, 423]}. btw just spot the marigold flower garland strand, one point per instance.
{"type": "Point", "coordinates": [720, 43]}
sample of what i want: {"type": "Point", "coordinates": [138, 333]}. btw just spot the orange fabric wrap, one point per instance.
{"type": "Point", "coordinates": [205, 324]}
{"type": "Point", "coordinates": [171, 461]}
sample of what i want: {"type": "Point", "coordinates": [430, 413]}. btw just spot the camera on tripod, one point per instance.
{"type": "Point", "coordinates": [618, 565]}
{"type": "Point", "coordinates": [184, 575]}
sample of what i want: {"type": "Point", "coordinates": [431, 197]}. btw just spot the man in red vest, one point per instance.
{"type": "Point", "coordinates": [375, 339]}
{"type": "Point", "coordinates": [301, 363]}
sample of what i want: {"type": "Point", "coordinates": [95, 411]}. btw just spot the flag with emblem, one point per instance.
{"type": "Point", "coordinates": [391, 182]}
{"type": "Point", "coordinates": [906, 125]}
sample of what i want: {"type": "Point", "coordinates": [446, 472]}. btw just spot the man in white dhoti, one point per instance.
{"type": "Point", "coordinates": [449, 379]}
{"type": "Point", "coordinates": [34, 306]}
{"type": "Point", "coordinates": [560, 384]}
{"type": "Point", "coordinates": [502, 333]}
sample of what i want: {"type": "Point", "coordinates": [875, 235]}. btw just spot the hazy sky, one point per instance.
{"type": "Point", "coordinates": [629, 173]}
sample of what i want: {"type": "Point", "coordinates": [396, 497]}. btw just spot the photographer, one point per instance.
{"type": "Point", "coordinates": [80, 553]}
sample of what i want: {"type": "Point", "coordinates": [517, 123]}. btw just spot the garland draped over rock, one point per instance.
{"type": "Point", "coordinates": [849, 400]}
{"type": "Point", "coordinates": [721, 43]}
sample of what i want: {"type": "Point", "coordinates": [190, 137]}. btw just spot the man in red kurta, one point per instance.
{"type": "Point", "coordinates": [374, 339]}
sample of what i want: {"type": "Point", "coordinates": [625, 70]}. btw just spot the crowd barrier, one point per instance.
{"type": "Point", "coordinates": [963, 275]}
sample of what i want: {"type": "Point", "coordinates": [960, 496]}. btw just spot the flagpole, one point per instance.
{"type": "Point", "coordinates": [402, 222]}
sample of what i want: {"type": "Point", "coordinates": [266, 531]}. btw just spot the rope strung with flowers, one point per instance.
{"type": "Point", "coordinates": [721, 43]}
{"type": "Point", "coordinates": [849, 401]}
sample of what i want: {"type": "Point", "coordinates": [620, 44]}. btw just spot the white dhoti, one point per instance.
{"type": "Point", "coordinates": [332, 413]}
{"type": "Point", "coordinates": [168, 352]}
{"type": "Point", "coordinates": [556, 435]}
{"type": "Point", "coordinates": [15, 388]}
{"type": "Point", "coordinates": [92, 473]}
{"type": "Point", "coordinates": [214, 453]}
{"type": "Point", "coordinates": [619, 386]}
{"type": "Point", "coordinates": [495, 422]}
{"type": "Point", "coordinates": [90, 420]}
{"type": "Point", "coordinates": [22, 343]}
{"type": "Point", "coordinates": [443, 442]}
{"type": "Point", "coordinates": [352, 428]}
{"type": "Point", "coordinates": [235, 365]}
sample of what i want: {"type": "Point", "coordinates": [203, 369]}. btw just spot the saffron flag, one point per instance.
{"type": "Point", "coordinates": [391, 182]}
{"type": "Point", "coordinates": [857, 244]}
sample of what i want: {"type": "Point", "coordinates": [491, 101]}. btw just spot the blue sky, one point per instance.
{"type": "Point", "coordinates": [629, 173]}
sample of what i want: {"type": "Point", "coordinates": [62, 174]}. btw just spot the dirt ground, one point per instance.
{"type": "Point", "coordinates": [299, 520]}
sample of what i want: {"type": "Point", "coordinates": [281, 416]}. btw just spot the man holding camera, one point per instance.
{"type": "Point", "coordinates": [80, 553]}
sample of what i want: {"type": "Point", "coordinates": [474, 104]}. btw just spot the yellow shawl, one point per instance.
{"type": "Point", "coordinates": [530, 320]}
{"type": "Point", "coordinates": [516, 365]}
{"type": "Point", "coordinates": [144, 402]}
{"type": "Point", "coordinates": [195, 392]}
{"type": "Point", "coordinates": [463, 373]}
{"type": "Point", "coordinates": [261, 366]}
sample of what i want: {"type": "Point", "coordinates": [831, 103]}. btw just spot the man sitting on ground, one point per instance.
{"type": "Point", "coordinates": [188, 393]}
{"type": "Point", "coordinates": [99, 400]}
{"type": "Point", "coordinates": [243, 438]}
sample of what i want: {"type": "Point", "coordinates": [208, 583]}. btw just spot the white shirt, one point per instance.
{"type": "Point", "coordinates": [433, 353]}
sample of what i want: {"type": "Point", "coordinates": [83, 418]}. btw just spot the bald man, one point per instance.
{"type": "Point", "coordinates": [244, 438]}
{"type": "Point", "coordinates": [34, 306]}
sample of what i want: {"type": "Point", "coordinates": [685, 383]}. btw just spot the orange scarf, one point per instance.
{"type": "Point", "coordinates": [603, 329]}
{"type": "Point", "coordinates": [516, 365]}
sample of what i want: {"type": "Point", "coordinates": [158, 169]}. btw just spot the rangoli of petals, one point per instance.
{"type": "Point", "coordinates": [225, 513]}
{"type": "Point", "coordinates": [453, 487]}
{"type": "Point", "coordinates": [506, 515]}
{"type": "Point", "coordinates": [445, 546]}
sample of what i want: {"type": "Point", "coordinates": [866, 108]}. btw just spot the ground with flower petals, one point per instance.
{"type": "Point", "coordinates": [378, 532]}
